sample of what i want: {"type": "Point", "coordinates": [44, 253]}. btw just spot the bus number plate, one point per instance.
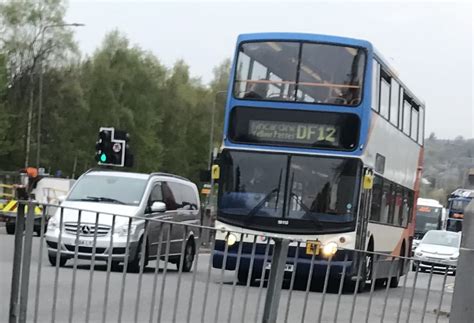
{"type": "Point", "coordinates": [312, 247]}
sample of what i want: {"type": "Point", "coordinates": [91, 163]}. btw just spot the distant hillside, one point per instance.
{"type": "Point", "coordinates": [446, 166]}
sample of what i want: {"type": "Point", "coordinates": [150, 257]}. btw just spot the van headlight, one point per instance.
{"type": "Point", "coordinates": [454, 257]}
{"type": "Point", "coordinates": [329, 249]}
{"type": "Point", "coordinates": [53, 223]}
{"type": "Point", "coordinates": [122, 230]}
{"type": "Point", "coordinates": [418, 253]}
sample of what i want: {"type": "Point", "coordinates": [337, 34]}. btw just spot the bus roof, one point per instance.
{"type": "Point", "coordinates": [394, 73]}
{"type": "Point", "coordinates": [462, 193]}
{"type": "Point", "coordinates": [281, 36]}
{"type": "Point", "coordinates": [428, 202]}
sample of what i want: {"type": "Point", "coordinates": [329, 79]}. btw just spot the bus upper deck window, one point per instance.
{"type": "Point", "coordinates": [302, 72]}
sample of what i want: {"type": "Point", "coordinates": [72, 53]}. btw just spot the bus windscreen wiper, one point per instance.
{"type": "Point", "coordinates": [306, 209]}
{"type": "Point", "coordinates": [266, 198]}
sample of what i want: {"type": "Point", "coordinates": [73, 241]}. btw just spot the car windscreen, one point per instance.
{"type": "Point", "coordinates": [442, 238]}
{"type": "Point", "coordinates": [108, 189]}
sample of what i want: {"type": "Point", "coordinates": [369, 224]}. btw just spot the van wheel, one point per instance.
{"type": "Point", "coordinates": [186, 261]}
{"type": "Point", "coordinates": [10, 228]}
{"type": "Point", "coordinates": [52, 260]}
{"type": "Point", "coordinates": [134, 265]}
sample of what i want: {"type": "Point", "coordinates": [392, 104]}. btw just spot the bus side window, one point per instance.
{"type": "Point", "coordinates": [385, 204]}
{"type": "Point", "coordinates": [376, 199]}
{"type": "Point", "coordinates": [398, 218]}
{"type": "Point", "coordinates": [411, 202]}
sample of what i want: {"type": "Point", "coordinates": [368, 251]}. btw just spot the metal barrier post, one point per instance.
{"type": "Point", "coordinates": [15, 287]}
{"type": "Point", "coordinates": [462, 308]}
{"type": "Point", "coordinates": [26, 261]}
{"type": "Point", "coordinates": [280, 253]}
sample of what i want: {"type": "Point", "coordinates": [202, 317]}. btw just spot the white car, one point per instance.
{"type": "Point", "coordinates": [438, 250]}
{"type": "Point", "coordinates": [134, 197]}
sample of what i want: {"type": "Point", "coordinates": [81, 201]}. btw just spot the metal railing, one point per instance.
{"type": "Point", "coordinates": [126, 276]}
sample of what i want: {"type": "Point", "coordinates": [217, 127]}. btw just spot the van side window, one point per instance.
{"type": "Point", "coordinates": [190, 198]}
{"type": "Point", "coordinates": [169, 197]}
{"type": "Point", "coordinates": [156, 194]}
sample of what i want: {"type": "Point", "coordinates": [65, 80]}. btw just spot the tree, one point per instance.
{"type": "Point", "coordinates": [123, 88]}
{"type": "Point", "coordinates": [23, 23]}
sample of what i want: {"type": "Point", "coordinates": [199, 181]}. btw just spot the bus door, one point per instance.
{"type": "Point", "coordinates": [364, 209]}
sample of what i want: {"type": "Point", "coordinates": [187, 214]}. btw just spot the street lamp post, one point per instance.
{"type": "Point", "coordinates": [211, 135]}
{"type": "Point", "coordinates": [211, 139]}
{"type": "Point", "coordinates": [40, 90]}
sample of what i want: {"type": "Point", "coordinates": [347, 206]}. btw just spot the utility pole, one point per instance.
{"type": "Point", "coordinates": [211, 135]}
{"type": "Point", "coordinates": [462, 308]}
{"type": "Point", "coordinates": [40, 91]}
{"type": "Point", "coordinates": [211, 139]}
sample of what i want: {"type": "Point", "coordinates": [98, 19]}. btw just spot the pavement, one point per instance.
{"type": "Point", "coordinates": [224, 299]}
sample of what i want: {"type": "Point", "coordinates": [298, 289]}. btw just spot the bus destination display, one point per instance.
{"type": "Point", "coordinates": [294, 132]}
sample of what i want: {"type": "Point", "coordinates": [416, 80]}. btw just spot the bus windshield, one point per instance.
{"type": "Point", "coordinates": [427, 218]}
{"type": "Point", "coordinates": [459, 204]}
{"type": "Point", "coordinates": [288, 193]}
{"type": "Point", "coordinates": [300, 71]}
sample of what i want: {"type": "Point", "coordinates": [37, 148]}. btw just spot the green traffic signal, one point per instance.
{"type": "Point", "coordinates": [103, 157]}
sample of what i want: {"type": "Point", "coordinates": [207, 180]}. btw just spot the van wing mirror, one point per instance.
{"type": "Point", "coordinates": [61, 198]}
{"type": "Point", "coordinates": [158, 207]}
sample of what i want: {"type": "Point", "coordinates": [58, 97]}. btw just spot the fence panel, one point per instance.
{"type": "Point", "coordinates": [114, 268]}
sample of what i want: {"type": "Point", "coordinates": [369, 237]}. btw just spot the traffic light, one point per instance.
{"type": "Point", "coordinates": [112, 148]}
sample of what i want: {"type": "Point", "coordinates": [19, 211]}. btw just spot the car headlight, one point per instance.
{"type": "Point", "coordinates": [53, 223]}
{"type": "Point", "coordinates": [329, 249]}
{"type": "Point", "coordinates": [122, 230]}
{"type": "Point", "coordinates": [454, 257]}
{"type": "Point", "coordinates": [419, 254]}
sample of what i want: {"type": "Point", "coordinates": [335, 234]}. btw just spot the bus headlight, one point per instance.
{"type": "Point", "coordinates": [230, 239]}
{"type": "Point", "coordinates": [329, 249]}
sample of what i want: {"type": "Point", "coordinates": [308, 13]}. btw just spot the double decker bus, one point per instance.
{"type": "Point", "coordinates": [457, 203]}
{"type": "Point", "coordinates": [310, 120]}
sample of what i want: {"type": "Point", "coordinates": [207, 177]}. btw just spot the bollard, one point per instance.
{"type": "Point", "coordinates": [462, 308]}
{"type": "Point", "coordinates": [280, 253]}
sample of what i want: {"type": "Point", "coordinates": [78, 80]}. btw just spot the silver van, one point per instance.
{"type": "Point", "coordinates": [122, 200]}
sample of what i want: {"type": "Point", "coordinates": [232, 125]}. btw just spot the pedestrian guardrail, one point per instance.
{"type": "Point", "coordinates": [125, 273]}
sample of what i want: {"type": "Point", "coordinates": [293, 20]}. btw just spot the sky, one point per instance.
{"type": "Point", "coordinates": [429, 43]}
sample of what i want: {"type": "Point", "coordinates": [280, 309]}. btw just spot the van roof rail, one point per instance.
{"type": "Point", "coordinates": [170, 175]}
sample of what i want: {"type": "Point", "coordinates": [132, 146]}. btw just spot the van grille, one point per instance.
{"type": "Point", "coordinates": [86, 229]}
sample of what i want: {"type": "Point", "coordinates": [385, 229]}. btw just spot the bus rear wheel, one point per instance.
{"type": "Point", "coordinates": [243, 275]}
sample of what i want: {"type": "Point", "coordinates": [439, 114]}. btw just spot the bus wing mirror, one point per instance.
{"type": "Point", "coordinates": [216, 171]}
{"type": "Point", "coordinates": [368, 181]}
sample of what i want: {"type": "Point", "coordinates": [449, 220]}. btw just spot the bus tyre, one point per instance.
{"type": "Point", "coordinates": [10, 227]}
{"type": "Point", "coordinates": [243, 275]}
{"type": "Point", "coordinates": [52, 260]}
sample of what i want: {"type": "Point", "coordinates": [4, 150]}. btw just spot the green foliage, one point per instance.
{"type": "Point", "coordinates": [446, 165]}
{"type": "Point", "coordinates": [166, 111]}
